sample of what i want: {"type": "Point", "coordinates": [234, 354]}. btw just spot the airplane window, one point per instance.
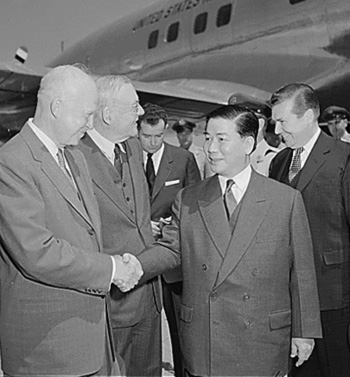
{"type": "Point", "coordinates": [224, 15]}
{"type": "Point", "coordinates": [295, 1]}
{"type": "Point", "coordinates": [200, 24]}
{"type": "Point", "coordinates": [153, 39]}
{"type": "Point", "coordinates": [173, 32]}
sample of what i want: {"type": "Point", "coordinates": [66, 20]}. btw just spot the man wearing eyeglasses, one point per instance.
{"type": "Point", "coordinates": [114, 158]}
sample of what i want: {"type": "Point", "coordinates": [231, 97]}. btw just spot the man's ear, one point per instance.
{"type": "Point", "coordinates": [106, 115]}
{"type": "Point", "coordinates": [55, 107]}
{"type": "Point", "coordinates": [249, 144]}
{"type": "Point", "coordinates": [309, 116]}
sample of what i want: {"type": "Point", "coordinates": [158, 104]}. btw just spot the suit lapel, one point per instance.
{"type": "Point", "coordinates": [53, 172]}
{"type": "Point", "coordinates": [77, 166]}
{"type": "Point", "coordinates": [165, 168]}
{"type": "Point", "coordinates": [99, 170]}
{"type": "Point", "coordinates": [212, 210]}
{"type": "Point", "coordinates": [254, 207]}
{"type": "Point", "coordinates": [315, 160]}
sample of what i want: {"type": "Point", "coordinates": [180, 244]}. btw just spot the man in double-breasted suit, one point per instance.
{"type": "Point", "coordinates": [114, 158]}
{"type": "Point", "coordinates": [54, 276]}
{"type": "Point", "coordinates": [249, 295]}
{"type": "Point", "coordinates": [323, 178]}
{"type": "Point", "coordinates": [168, 169]}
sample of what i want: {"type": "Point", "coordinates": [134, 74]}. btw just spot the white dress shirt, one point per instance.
{"type": "Point", "coordinates": [241, 181]}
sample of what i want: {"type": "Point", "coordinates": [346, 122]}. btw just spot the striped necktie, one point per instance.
{"type": "Point", "coordinates": [295, 166]}
{"type": "Point", "coordinates": [62, 164]}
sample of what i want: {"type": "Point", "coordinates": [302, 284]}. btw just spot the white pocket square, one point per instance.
{"type": "Point", "coordinates": [174, 182]}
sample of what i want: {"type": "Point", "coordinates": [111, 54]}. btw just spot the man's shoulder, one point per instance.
{"type": "Point", "coordinates": [272, 187]}
{"type": "Point", "coordinates": [177, 152]}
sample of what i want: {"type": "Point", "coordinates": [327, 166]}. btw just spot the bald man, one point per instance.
{"type": "Point", "coordinates": [54, 278]}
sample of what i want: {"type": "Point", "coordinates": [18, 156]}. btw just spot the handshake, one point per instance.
{"type": "Point", "coordinates": [128, 271]}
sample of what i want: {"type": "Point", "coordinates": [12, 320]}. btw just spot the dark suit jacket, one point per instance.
{"type": "Point", "coordinates": [245, 295]}
{"type": "Point", "coordinates": [53, 276]}
{"type": "Point", "coordinates": [121, 231]}
{"type": "Point", "coordinates": [324, 183]}
{"type": "Point", "coordinates": [177, 169]}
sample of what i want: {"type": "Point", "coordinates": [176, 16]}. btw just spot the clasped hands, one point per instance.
{"type": "Point", "coordinates": [128, 272]}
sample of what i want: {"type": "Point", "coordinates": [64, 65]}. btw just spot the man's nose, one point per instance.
{"type": "Point", "coordinates": [140, 110]}
{"type": "Point", "coordinates": [278, 128]}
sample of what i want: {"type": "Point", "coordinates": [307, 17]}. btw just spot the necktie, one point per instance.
{"type": "Point", "coordinates": [150, 172]}
{"type": "Point", "coordinates": [295, 166]}
{"type": "Point", "coordinates": [117, 159]}
{"type": "Point", "coordinates": [230, 202]}
{"type": "Point", "coordinates": [63, 166]}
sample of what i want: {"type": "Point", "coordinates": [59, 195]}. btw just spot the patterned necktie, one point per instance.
{"type": "Point", "coordinates": [230, 202]}
{"type": "Point", "coordinates": [117, 159]}
{"type": "Point", "coordinates": [63, 166]}
{"type": "Point", "coordinates": [295, 166]}
{"type": "Point", "coordinates": [150, 172]}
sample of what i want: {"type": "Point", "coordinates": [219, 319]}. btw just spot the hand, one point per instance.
{"type": "Point", "coordinates": [128, 272]}
{"type": "Point", "coordinates": [156, 231]}
{"type": "Point", "coordinates": [302, 348]}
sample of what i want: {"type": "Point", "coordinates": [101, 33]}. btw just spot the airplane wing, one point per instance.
{"type": "Point", "coordinates": [18, 89]}
{"type": "Point", "coordinates": [183, 98]}
{"type": "Point", "coordinates": [194, 98]}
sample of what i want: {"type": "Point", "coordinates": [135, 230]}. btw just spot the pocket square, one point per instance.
{"type": "Point", "coordinates": [174, 182]}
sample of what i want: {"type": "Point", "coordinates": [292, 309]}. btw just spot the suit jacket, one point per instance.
{"type": "Point", "coordinates": [123, 231]}
{"type": "Point", "coordinates": [244, 295]}
{"type": "Point", "coordinates": [324, 183]}
{"type": "Point", "coordinates": [177, 169]}
{"type": "Point", "coordinates": [54, 277]}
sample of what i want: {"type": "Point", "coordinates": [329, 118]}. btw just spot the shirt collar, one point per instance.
{"type": "Point", "coordinates": [48, 143]}
{"type": "Point", "coordinates": [310, 144]}
{"type": "Point", "coordinates": [106, 146]}
{"type": "Point", "coordinates": [241, 182]}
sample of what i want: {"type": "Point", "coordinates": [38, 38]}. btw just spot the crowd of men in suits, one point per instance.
{"type": "Point", "coordinates": [103, 222]}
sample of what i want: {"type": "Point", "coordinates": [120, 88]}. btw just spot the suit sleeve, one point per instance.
{"type": "Point", "coordinates": [164, 254]}
{"type": "Point", "coordinates": [192, 172]}
{"type": "Point", "coordinates": [305, 302]}
{"type": "Point", "coordinates": [38, 252]}
{"type": "Point", "coordinates": [345, 187]}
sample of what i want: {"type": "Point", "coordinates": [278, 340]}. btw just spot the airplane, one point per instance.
{"type": "Point", "coordinates": [190, 56]}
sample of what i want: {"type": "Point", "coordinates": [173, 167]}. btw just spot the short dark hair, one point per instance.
{"type": "Point", "coordinates": [245, 119]}
{"type": "Point", "coordinates": [153, 114]}
{"type": "Point", "coordinates": [303, 95]}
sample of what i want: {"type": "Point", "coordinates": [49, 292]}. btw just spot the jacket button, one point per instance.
{"type": "Point", "coordinates": [127, 199]}
{"type": "Point", "coordinates": [204, 266]}
{"type": "Point", "coordinates": [214, 295]}
{"type": "Point", "coordinates": [247, 323]}
{"type": "Point", "coordinates": [91, 231]}
{"type": "Point", "coordinates": [246, 297]}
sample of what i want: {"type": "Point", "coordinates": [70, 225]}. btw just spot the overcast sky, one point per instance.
{"type": "Point", "coordinates": [41, 25]}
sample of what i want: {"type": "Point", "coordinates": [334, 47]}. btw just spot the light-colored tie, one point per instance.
{"type": "Point", "coordinates": [230, 202]}
{"type": "Point", "coordinates": [295, 166]}
{"type": "Point", "coordinates": [62, 164]}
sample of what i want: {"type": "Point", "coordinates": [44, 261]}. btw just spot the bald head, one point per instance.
{"type": "Point", "coordinates": [67, 99]}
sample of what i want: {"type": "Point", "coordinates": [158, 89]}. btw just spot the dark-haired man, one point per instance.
{"type": "Point", "coordinates": [318, 166]}
{"type": "Point", "coordinates": [249, 287]}
{"type": "Point", "coordinates": [168, 169]}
